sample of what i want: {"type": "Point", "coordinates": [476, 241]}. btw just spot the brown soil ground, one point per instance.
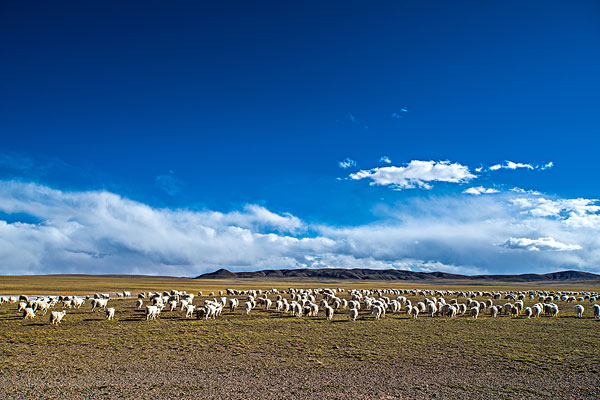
{"type": "Point", "coordinates": [268, 355]}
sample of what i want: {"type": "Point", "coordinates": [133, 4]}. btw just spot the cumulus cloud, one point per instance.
{"type": "Point", "coordinates": [385, 160]}
{"type": "Point", "coordinates": [478, 190]}
{"type": "Point", "coordinates": [513, 165]}
{"type": "Point", "coordinates": [510, 165]}
{"type": "Point", "coordinates": [416, 174]}
{"type": "Point", "coordinates": [347, 163]}
{"type": "Point", "coordinates": [541, 244]}
{"type": "Point", "coordinates": [102, 232]}
{"type": "Point", "coordinates": [575, 212]}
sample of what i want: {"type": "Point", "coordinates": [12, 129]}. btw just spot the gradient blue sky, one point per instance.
{"type": "Point", "coordinates": [247, 111]}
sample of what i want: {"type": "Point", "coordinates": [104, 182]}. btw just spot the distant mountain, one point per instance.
{"type": "Point", "coordinates": [393, 275]}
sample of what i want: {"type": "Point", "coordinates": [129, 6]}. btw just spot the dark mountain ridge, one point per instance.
{"type": "Point", "coordinates": [393, 274]}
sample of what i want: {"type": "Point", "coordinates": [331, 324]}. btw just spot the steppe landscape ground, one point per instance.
{"type": "Point", "coordinates": [269, 355]}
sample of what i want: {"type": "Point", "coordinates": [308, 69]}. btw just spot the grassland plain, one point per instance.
{"type": "Point", "coordinates": [268, 355]}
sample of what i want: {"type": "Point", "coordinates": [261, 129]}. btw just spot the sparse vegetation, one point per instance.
{"type": "Point", "coordinates": [272, 355]}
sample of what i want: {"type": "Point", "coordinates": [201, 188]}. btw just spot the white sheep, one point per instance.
{"type": "Point", "coordinates": [328, 312]}
{"type": "Point", "coordinates": [578, 310]}
{"type": "Point", "coordinates": [56, 317]}
{"type": "Point", "coordinates": [139, 303]}
{"type": "Point", "coordinates": [353, 314]}
{"type": "Point", "coordinates": [99, 303]}
{"type": "Point", "coordinates": [28, 313]}
{"type": "Point", "coordinates": [414, 311]}
{"type": "Point", "coordinates": [233, 304]}
{"type": "Point", "coordinates": [77, 302]}
{"type": "Point", "coordinates": [377, 311]}
{"type": "Point", "coordinates": [189, 310]}
{"type": "Point", "coordinates": [528, 312]}
{"type": "Point", "coordinates": [152, 312]}
{"type": "Point", "coordinates": [110, 313]}
{"type": "Point", "coordinates": [474, 312]}
{"type": "Point", "coordinates": [432, 308]}
{"type": "Point", "coordinates": [493, 311]}
{"type": "Point", "coordinates": [596, 309]}
{"type": "Point", "coordinates": [314, 310]}
{"type": "Point", "coordinates": [248, 307]}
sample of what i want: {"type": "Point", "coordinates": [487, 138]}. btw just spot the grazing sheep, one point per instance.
{"type": "Point", "coordinates": [248, 307]}
{"type": "Point", "coordinates": [278, 305]}
{"type": "Point", "coordinates": [432, 308]}
{"type": "Point", "coordinates": [528, 312]}
{"type": "Point", "coordinates": [22, 306]}
{"type": "Point", "coordinates": [172, 305]}
{"type": "Point", "coordinates": [189, 310]}
{"type": "Point", "coordinates": [152, 312]}
{"type": "Point", "coordinates": [28, 313]}
{"type": "Point", "coordinates": [77, 302]}
{"type": "Point", "coordinates": [474, 312]}
{"type": "Point", "coordinates": [414, 311]}
{"type": "Point", "coordinates": [493, 311]}
{"type": "Point", "coordinates": [578, 310]}
{"type": "Point", "coordinates": [110, 313]}
{"type": "Point", "coordinates": [377, 311]}
{"type": "Point", "coordinates": [314, 310]}
{"type": "Point", "coordinates": [99, 303]}
{"type": "Point", "coordinates": [43, 306]}
{"type": "Point", "coordinates": [268, 303]}
{"type": "Point", "coordinates": [596, 309]}
{"type": "Point", "coordinates": [328, 312]}
{"type": "Point", "coordinates": [233, 303]}
{"type": "Point", "coordinates": [353, 314]}
{"type": "Point", "coordinates": [452, 311]}
{"type": "Point", "coordinates": [200, 312]}
{"type": "Point", "coordinates": [56, 317]}
{"type": "Point", "coordinates": [213, 309]}
{"type": "Point", "coordinates": [139, 303]}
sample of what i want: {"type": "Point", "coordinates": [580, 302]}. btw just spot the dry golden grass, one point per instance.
{"type": "Point", "coordinates": [270, 355]}
{"type": "Point", "coordinates": [86, 284]}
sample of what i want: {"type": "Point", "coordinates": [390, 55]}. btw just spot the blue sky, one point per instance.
{"type": "Point", "coordinates": [177, 139]}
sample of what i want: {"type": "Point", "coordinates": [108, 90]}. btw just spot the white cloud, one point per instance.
{"type": "Point", "coordinates": [520, 190]}
{"type": "Point", "coordinates": [347, 163]}
{"type": "Point", "coordinates": [416, 174]}
{"type": "Point", "coordinates": [102, 232]}
{"type": "Point", "coordinates": [477, 190]}
{"type": "Point", "coordinates": [510, 165]}
{"type": "Point", "coordinates": [575, 212]}
{"type": "Point", "coordinates": [398, 115]}
{"type": "Point", "coordinates": [541, 244]}
{"type": "Point", "coordinates": [385, 160]}
{"type": "Point", "coordinates": [513, 165]}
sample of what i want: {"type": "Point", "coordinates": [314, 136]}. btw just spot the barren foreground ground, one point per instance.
{"type": "Point", "coordinates": [268, 355]}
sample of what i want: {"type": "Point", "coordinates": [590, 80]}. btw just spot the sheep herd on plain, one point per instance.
{"type": "Point", "coordinates": [308, 302]}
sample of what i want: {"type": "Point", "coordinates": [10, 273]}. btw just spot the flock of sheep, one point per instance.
{"type": "Point", "coordinates": [308, 302]}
